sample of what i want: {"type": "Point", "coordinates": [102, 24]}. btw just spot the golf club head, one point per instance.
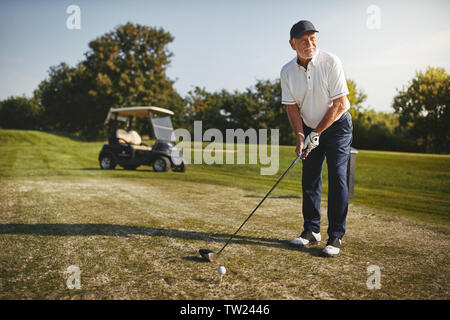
{"type": "Point", "coordinates": [208, 255]}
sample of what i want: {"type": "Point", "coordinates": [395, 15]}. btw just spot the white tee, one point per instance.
{"type": "Point", "coordinates": [313, 89]}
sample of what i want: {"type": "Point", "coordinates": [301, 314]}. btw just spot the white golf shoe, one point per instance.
{"type": "Point", "coordinates": [332, 248]}
{"type": "Point", "coordinates": [307, 238]}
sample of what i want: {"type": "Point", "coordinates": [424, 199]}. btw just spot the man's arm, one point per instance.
{"type": "Point", "coordinates": [336, 109]}
{"type": "Point", "coordinates": [295, 120]}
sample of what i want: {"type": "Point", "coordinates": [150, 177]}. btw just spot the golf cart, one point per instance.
{"type": "Point", "coordinates": [125, 147]}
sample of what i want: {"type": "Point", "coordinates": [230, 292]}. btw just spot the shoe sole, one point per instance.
{"type": "Point", "coordinates": [328, 255]}
{"type": "Point", "coordinates": [324, 255]}
{"type": "Point", "coordinates": [315, 243]}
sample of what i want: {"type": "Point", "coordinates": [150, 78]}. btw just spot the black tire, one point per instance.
{"type": "Point", "coordinates": [181, 168]}
{"type": "Point", "coordinates": [107, 162]}
{"type": "Point", "coordinates": [161, 164]}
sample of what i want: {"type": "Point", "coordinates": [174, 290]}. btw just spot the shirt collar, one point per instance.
{"type": "Point", "coordinates": [315, 57]}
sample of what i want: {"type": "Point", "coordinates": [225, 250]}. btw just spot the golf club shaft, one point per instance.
{"type": "Point", "coordinates": [268, 193]}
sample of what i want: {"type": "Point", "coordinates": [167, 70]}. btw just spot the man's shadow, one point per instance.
{"type": "Point", "coordinates": [87, 229]}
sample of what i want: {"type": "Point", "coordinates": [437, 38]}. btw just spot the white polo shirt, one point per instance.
{"type": "Point", "coordinates": [315, 88]}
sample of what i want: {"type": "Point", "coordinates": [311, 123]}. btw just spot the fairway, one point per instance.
{"type": "Point", "coordinates": [136, 234]}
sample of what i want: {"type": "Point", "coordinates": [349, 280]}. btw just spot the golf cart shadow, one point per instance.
{"type": "Point", "coordinates": [140, 170]}
{"type": "Point", "coordinates": [87, 229]}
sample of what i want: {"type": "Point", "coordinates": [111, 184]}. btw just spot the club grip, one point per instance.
{"type": "Point", "coordinates": [300, 156]}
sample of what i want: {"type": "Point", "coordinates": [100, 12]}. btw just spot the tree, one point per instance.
{"type": "Point", "coordinates": [19, 113]}
{"type": "Point", "coordinates": [65, 100]}
{"type": "Point", "coordinates": [257, 107]}
{"type": "Point", "coordinates": [207, 107]}
{"type": "Point", "coordinates": [125, 67]}
{"type": "Point", "coordinates": [271, 113]}
{"type": "Point", "coordinates": [424, 109]}
{"type": "Point", "coordinates": [356, 97]}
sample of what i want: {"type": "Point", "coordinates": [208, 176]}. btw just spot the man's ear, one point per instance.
{"type": "Point", "coordinates": [291, 42]}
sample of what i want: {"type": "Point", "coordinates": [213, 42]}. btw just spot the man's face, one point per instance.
{"type": "Point", "coordinates": [305, 46]}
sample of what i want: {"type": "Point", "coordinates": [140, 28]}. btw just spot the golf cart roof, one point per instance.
{"type": "Point", "coordinates": [139, 112]}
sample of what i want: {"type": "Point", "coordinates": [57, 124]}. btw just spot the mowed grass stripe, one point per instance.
{"type": "Point", "coordinates": [400, 182]}
{"type": "Point", "coordinates": [407, 204]}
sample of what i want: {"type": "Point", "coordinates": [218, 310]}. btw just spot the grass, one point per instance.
{"type": "Point", "coordinates": [136, 234]}
{"type": "Point", "coordinates": [398, 183]}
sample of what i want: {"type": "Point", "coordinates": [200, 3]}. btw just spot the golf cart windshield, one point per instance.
{"type": "Point", "coordinates": [162, 128]}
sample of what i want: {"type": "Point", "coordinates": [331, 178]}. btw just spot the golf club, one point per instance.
{"type": "Point", "coordinates": [209, 255]}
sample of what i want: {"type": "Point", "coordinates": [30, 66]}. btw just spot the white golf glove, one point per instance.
{"type": "Point", "coordinates": [312, 140]}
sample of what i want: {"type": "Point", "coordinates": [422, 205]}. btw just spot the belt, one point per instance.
{"type": "Point", "coordinates": [342, 117]}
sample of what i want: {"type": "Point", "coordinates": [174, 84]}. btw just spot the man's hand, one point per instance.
{"type": "Point", "coordinates": [296, 123]}
{"type": "Point", "coordinates": [312, 140]}
{"type": "Point", "coordinates": [299, 148]}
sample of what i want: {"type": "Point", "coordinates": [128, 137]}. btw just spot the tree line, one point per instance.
{"type": "Point", "coordinates": [127, 67]}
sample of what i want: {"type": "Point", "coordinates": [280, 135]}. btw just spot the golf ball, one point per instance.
{"type": "Point", "coordinates": [222, 270]}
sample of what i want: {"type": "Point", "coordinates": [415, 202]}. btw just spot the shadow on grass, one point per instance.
{"type": "Point", "coordinates": [273, 197]}
{"type": "Point", "coordinates": [280, 197]}
{"type": "Point", "coordinates": [71, 136]}
{"type": "Point", "coordinates": [118, 168]}
{"type": "Point", "coordinates": [113, 230]}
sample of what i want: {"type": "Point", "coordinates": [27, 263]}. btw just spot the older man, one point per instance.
{"type": "Point", "coordinates": [315, 91]}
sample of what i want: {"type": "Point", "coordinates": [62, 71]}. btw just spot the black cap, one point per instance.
{"type": "Point", "coordinates": [301, 27]}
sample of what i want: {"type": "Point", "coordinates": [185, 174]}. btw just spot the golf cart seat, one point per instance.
{"type": "Point", "coordinates": [132, 138]}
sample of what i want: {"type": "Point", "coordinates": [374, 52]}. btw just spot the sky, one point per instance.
{"type": "Point", "coordinates": [231, 44]}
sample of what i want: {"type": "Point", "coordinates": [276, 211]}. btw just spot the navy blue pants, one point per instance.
{"type": "Point", "coordinates": [334, 144]}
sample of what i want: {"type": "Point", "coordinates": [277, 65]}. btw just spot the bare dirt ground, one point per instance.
{"type": "Point", "coordinates": [135, 239]}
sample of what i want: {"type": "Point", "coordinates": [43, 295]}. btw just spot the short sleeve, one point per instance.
{"type": "Point", "coordinates": [286, 95]}
{"type": "Point", "coordinates": [337, 85]}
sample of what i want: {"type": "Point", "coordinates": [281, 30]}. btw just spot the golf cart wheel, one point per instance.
{"type": "Point", "coordinates": [107, 162]}
{"type": "Point", "coordinates": [161, 164]}
{"type": "Point", "coordinates": [181, 168]}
